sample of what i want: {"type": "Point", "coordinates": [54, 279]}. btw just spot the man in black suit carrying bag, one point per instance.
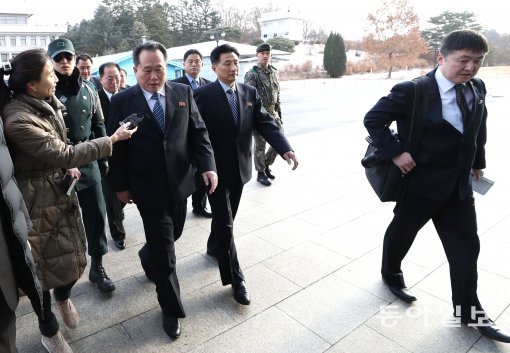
{"type": "Point", "coordinates": [231, 111]}
{"type": "Point", "coordinates": [155, 169]}
{"type": "Point", "coordinates": [193, 63]}
{"type": "Point", "coordinates": [450, 154]}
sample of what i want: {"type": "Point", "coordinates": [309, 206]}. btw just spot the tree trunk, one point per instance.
{"type": "Point", "coordinates": [390, 55]}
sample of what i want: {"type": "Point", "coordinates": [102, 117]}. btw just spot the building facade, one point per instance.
{"type": "Point", "coordinates": [281, 24]}
{"type": "Point", "coordinates": [18, 34]}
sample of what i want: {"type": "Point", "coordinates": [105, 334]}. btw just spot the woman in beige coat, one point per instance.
{"type": "Point", "coordinates": [36, 135]}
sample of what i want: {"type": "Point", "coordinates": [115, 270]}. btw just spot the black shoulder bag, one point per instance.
{"type": "Point", "coordinates": [386, 179]}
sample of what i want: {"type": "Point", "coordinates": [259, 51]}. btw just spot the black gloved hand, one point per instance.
{"type": "Point", "coordinates": [103, 167]}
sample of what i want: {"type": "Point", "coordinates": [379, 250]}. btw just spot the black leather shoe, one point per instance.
{"type": "Point", "coordinates": [172, 326]}
{"type": "Point", "coordinates": [202, 212]}
{"type": "Point", "coordinates": [262, 178]}
{"type": "Point", "coordinates": [120, 244]}
{"type": "Point", "coordinates": [241, 294]}
{"type": "Point", "coordinates": [401, 292]}
{"type": "Point", "coordinates": [490, 330]}
{"type": "Point", "coordinates": [268, 173]}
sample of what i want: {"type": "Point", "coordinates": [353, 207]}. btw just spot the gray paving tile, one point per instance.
{"type": "Point", "coordinates": [251, 250]}
{"type": "Point", "coordinates": [427, 250]}
{"type": "Point", "coordinates": [492, 253]}
{"type": "Point", "coordinates": [192, 240]}
{"type": "Point", "coordinates": [98, 312]}
{"type": "Point", "coordinates": [203, 321]}
{"type": "Point", "coordinates": [365, 273]}
{"type": "Point", "coordinates": [335, 213]}
{"type": "Point", "coordinates": [331, 308]}
{"type": "Point", "coordinates": [113, 339]}
{"type": "Point", "coordinates": [266, 289]}
{"type": "Point", "coordinates": [366, 340]}
{"type": "Point", "coordinates": [271, 331]}
{"type": "Point", "coordinates": [357, 237]}
{"type": "Point", "coordinates": [422, 326]}
{"type": "Point", "coordinates": [28, 337]}
{"type": "Point", "coordinates": [492, 290]}
{"type": "Point", "coordinates": [195, 272]}
{"type": "Point", "coordinates": [289, 232]}
{"type": "Point", "coordinates": [306, 263]}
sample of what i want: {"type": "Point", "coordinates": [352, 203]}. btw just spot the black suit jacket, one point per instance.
{"type": "Point", "coordinates": [445, 156]}
{"type": "Point", "coordinates": [156, 166]}
{"type": "Point", "coordinates": [233, 144]}
{"type": "Point", "coordinates": [184, 80]}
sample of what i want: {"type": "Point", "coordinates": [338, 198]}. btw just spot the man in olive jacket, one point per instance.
{"type": "Point", "coordinates": [17, 268]}
{"type": "Point", "coordinates": [84, 121]}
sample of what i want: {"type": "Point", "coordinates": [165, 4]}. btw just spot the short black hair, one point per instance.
{"type": "Point", "coordinates": [83, 57]}
{"type": "Point", "coordinates": [466, 39]}
{"type": "Point", "coordinates": [105, 65]}
{"type": "Point", "coordinates": [222, 49]}
{"type": "Point", "coordinates": [149, 45]}
{"type": "Point", "coordinates": [193, 51]}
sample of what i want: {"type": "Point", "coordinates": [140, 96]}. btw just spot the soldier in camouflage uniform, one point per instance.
{"type": "Point", "coordinates": [263, 77]}
{"type": "Point", "coordinates": [84, 121]}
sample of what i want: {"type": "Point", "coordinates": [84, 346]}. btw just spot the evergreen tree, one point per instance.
{"type": "Point", "coordinates": [335, 59]}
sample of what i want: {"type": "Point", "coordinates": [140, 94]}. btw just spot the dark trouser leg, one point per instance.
{"type": "Point", "coordinates": [7, 327]}
{"type": "Point", "coordinates": [114, 211]}
{"type": "Point", "coordinates": [48, 325]}
{"type": "Point", "coordinates": [199, 197]}
{"type": "Point", "coordinates": [224, 204]}
{"type": "Point", "coordinates": [63, 293]}
{"type": "Point", "coordinates": [271, 152]}
{"type": "Point", "coordinates": [259, 152]}
{"type": "Point", "coordinates": [94, 218]}
{"type": "Point", "coordinates": [457, 228]}
{"type": "Point", "coordinates": [160, 225]}
{"type": "Point", "coordinates": [409, 217]}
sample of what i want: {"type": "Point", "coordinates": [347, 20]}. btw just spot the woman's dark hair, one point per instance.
{"type": "Point", "coordinates": [26, 67]}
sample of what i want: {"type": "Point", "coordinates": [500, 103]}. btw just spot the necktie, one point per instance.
{"type": "Point", "coordinates": [158, 112]}
{"type": "Point", "coordinates": [232, 100]}
{"type": "Point", "coordinates": [194, 84]}
{"type": "Point", "coordinates": [461, 100]}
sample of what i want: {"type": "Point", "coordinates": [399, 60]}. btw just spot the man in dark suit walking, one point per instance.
{"type": "Point", "coordinates": [192, 66]}
{"type": "Point", "coordinates": [450, 153]}
{"type": "Point", "coordinates": [109, 77]}
{"type": "Point", "coordinates": [155, 169]}
{"type": "Point", "coordinates": [231, 111]}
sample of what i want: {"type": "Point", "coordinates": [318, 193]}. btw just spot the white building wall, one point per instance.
{"type": "Point", "coordinates": [283, 25]}
{"type": "Point", "coordinates": [20, 36]}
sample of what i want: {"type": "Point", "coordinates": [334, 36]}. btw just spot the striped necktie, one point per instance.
{"type": "Point", "coordinates": [232, 101]}
{"type": "Point", "coordinates": [158, 112]}
{"type": "Point", "coordinates": [194, 84]}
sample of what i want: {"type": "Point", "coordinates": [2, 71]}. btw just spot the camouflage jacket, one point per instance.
{"type": "Point", "coordinates": [266, 83]}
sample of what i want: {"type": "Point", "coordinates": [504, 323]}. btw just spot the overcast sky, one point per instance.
{"type": "Point", "coordinates": [347, 19]}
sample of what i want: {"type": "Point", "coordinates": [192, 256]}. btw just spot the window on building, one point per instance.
{"type": "Point", "coordinates": [5, 57]}
{"type": "Point", "coordinates": [265, 35]}
{"type": "Point", "coordinates": [32, 41]}
{"type": "Point", "coordinates": [23, 41]}
{"type": "Point", "coordinates": [42, 40]}
{"type": "Point", "coordinates": [13, 41]}
{"type": "Point", "coordinates": [275, 35]}
{"type": "Point", "coordinates": [2, 40]}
